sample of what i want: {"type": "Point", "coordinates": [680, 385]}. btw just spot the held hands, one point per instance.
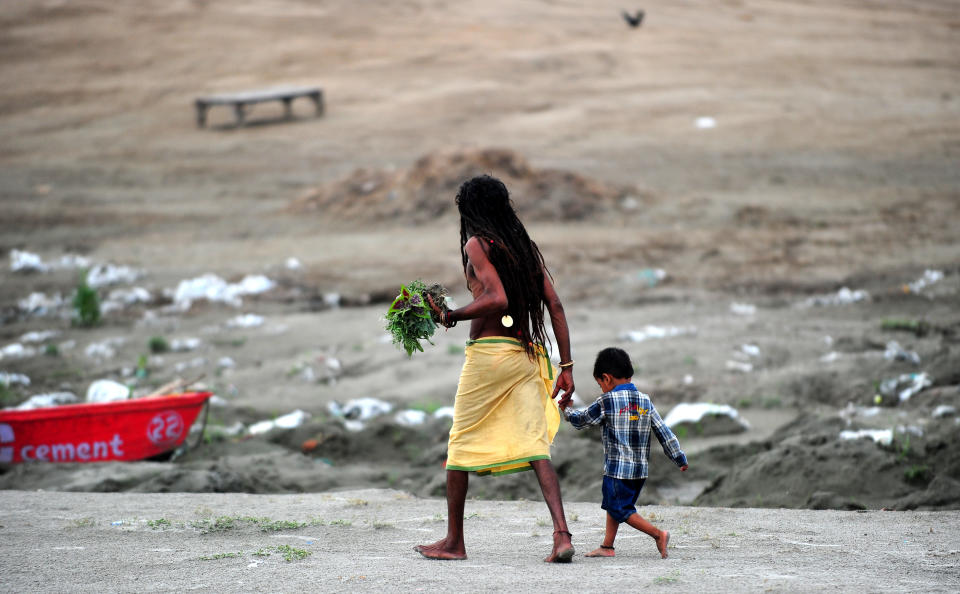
{"type": "Point", "coordinates": [565, 384]}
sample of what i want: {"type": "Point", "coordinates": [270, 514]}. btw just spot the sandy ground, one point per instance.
{"type": "Point", "coordinates": [833, 163]}
{"type": "Point", "coordinates": [362, 541]}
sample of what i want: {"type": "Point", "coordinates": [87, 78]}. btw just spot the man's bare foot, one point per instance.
{"type": "Point", "coordinates": [562, 548]}
{"type": "Point", "coordinates": [440, 551]}
{"type": "Point", "coordinates": [603, 551]}
{"type": "Point", "coordinates": [662, 542]}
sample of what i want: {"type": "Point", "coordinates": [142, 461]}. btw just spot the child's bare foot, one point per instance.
{"type": "Point", "coordinates": [662, 542]}
{"type": "Point", "coordinates": [441, 552]}
{"type": "Point", "coordinates": [603, 551]}
{"type": "Point", "coordinates": [562, 548]}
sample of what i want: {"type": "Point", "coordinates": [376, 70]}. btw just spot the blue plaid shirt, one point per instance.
{"type": "Point", "coordinates": [627, 416]}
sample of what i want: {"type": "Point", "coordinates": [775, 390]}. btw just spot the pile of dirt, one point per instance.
{"type": "Point", "coordinates": [426, 190]}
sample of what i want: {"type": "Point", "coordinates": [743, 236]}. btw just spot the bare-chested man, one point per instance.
{"type": "Point", "coordinates": [505, 417]}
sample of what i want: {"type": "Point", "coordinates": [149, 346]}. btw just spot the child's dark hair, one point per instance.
{"type": "Point", "coordinates": [614, 361]}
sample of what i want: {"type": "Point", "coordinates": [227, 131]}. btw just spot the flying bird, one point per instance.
{"type": "Point", "coordinates": [633, 21]}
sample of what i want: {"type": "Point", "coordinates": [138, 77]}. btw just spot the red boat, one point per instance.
{"type": "Point", "coordinates": [101, 432]}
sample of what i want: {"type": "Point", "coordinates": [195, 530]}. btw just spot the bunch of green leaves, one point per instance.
{"type": "Point", "coordinates": [86, 303]}
{"type": "Point", "coordinates": [410, 319]}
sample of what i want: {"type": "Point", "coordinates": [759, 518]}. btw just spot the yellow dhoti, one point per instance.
{"type": "Point", "coordinates": [503, 416]}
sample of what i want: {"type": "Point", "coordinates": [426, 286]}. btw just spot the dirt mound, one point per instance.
{"type": "Point", "coordinates": [426, 190]}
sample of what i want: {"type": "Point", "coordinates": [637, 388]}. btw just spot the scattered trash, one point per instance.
{"type": "Point", "coordinates": [852, 410]}
{"type": "Point", "coordinates": [895, 352]}
{"type": "Point", "coordinates": [743, 309]}
{"type": "Point", "coordinates": [184, 365]}
{"type": "Point", "coordinates": [362, 409]}
{"type": "Point", "coordinates": [107, 391]}
{"type": "Point", "coordinates": [104, 350]}
{"type": "Point", "coordinates": [750, 350]}
{"type": "Point", "coordinates": [120, 298]}
{"type": "Point", "coordinates": [650, 332]}
{"type": "Point", "coordinates": [103, 275]}
{"type": "Point", "coordinates": [213, 288]}
{"type": "Point", "coordinates": [944, 410]}
{"type": "Point", "coordinates": [651, 276]}
{"type": "Point", "coordinates": [331, 299]}
{"type": "Point", "coordinates": [41, 336]}
{"type": "Point", "coordinates": [629, 203]}
{"type": "Point", "coordinates": [26, 262]}
{"type": "Point", "coordinates": [687, 379]}
{"type": "Point", "coordinates": [740, 366]}
{"type": "Point", "coordinates": [8, 379]}
{"type": "Point", "coordinates": [929, 277]}
{"type": "Point", "coordinates": [38, 304]}
{"type": "Point", "coordinates": [911, 429]}
{"type": "Point", "coordinates": [17, 351]}
{"type": "Point", "coordinates": [183, 345]}
{"type": "Point", "coordinates": [410, 417]}
{"type": "Point", "coordinates": [47, 400]}
{"type": "Point", "coordinates": [293, 264]}
{"type": "Point", "coordinates": [705, 123]}
{"type": "Point", "coordinates": [226, 363]}
{"type": "Point", "coordinates": [443, 411]}
{"type": "Point", "coordinates": [844, 296]}
{"type": "Point", "coordinates": [117, 523]}
{"type": "Point", "coordinates": [828, 340]}
{"type": "Point", "coordinates": [287, 421]}
{"type": "Point", "coordinates": [830, 357]}
{"type": "Point", "coordinates": [245, 321]}
{"type": "Point", "coordinates": [217, 401]}
{"type": "Point", "coordinates": [880, 436]}
{"type": "Point", "coordinates": [905, 385]}
{"type": "Point", "coordinates": [693, 413]}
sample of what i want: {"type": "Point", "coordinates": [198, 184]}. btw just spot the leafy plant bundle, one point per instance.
{"type": "Point", "coordinates": [410, 319]}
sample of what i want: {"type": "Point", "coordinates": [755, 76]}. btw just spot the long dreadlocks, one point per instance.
{"type": "Point", "coordinates": [487, 212]}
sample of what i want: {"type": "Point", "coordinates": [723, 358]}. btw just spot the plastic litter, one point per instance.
{"type": "Point", "coordinates": [287, 421]}
{"type": "Point", "coordinates": [830, 357]}
{"type": "Point", "coordinates": [410, 417]}
{"type": "Point", "coordinates": [906, 385]}
{"type": "Point", "coordinates": [182, 345]}
{"type": "Point", "coordinates": [944, 410]}
{"type": "Point", "coordinates": [245, 321]}
{"type": "Point", "coordinates": [651, 332]}
{"type": "Point", "coordinates": [107, 391]}
{"type": "Point", "coordinates": [104, 350]}
{"type": "Point", "coordinates": [929, 277]}
{"type": "Point", "coordinates": [651, 277]}
{"type": "Point", "coordinates": [895, 352]}
{"type": "Point", "coordinates": [844, 296]}
{"type": "Point", "coordinates": [39, 336]}
{"type": "Point", "coordinates": [687, 379]}
{"type": "Point", "coordinates": [213, 288]}
{"type": "Point", "coordinates": [120, 298]}
{"type": "Point", "coordinates": [17, 351]}
{"type": "Point", "coordinates": [226, 363]}
{"type": "Point", "coordinates": [880, 436]}
{"type": "Point", "coordinates": [8, 379]}
{"type": "Point", "coordinates": [21, 261]}
{"type": "Point", "coordinates": [751, 350]}
{"type": "Point", "coordinates": [443, 411]}
{"type": "Point", "coordinates": [740, 366]}
{"type": "Point", "coordinates": [103, 275]}
{"type": "Point", "coordinates": [47, 400]}
{"type": "Point", "coordinates": [694, 412]}
{"type": "Point", "coordinates": [705, 123]}
{"type": "Point", "coordinates": [743, 309]}
{"type": "Point", "coordinates": [184, 365]}
{"type": "Point", "coordinates": [292, 264]}
{"type": "Point", "coordinates": [39, 304]}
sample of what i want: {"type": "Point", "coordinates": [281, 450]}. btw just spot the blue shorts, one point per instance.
{"type": "Point", "coordinates": [620, 497]}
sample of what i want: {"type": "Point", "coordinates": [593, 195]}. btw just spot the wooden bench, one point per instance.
{"type": "Point", "coordinates": [241, 100]}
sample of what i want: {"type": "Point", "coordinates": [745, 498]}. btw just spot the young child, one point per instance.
{"type": "Point", "coordinates": [628, 417]}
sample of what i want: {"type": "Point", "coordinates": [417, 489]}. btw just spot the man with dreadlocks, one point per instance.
{"type": "Point", "coordinates": [504, 416]}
